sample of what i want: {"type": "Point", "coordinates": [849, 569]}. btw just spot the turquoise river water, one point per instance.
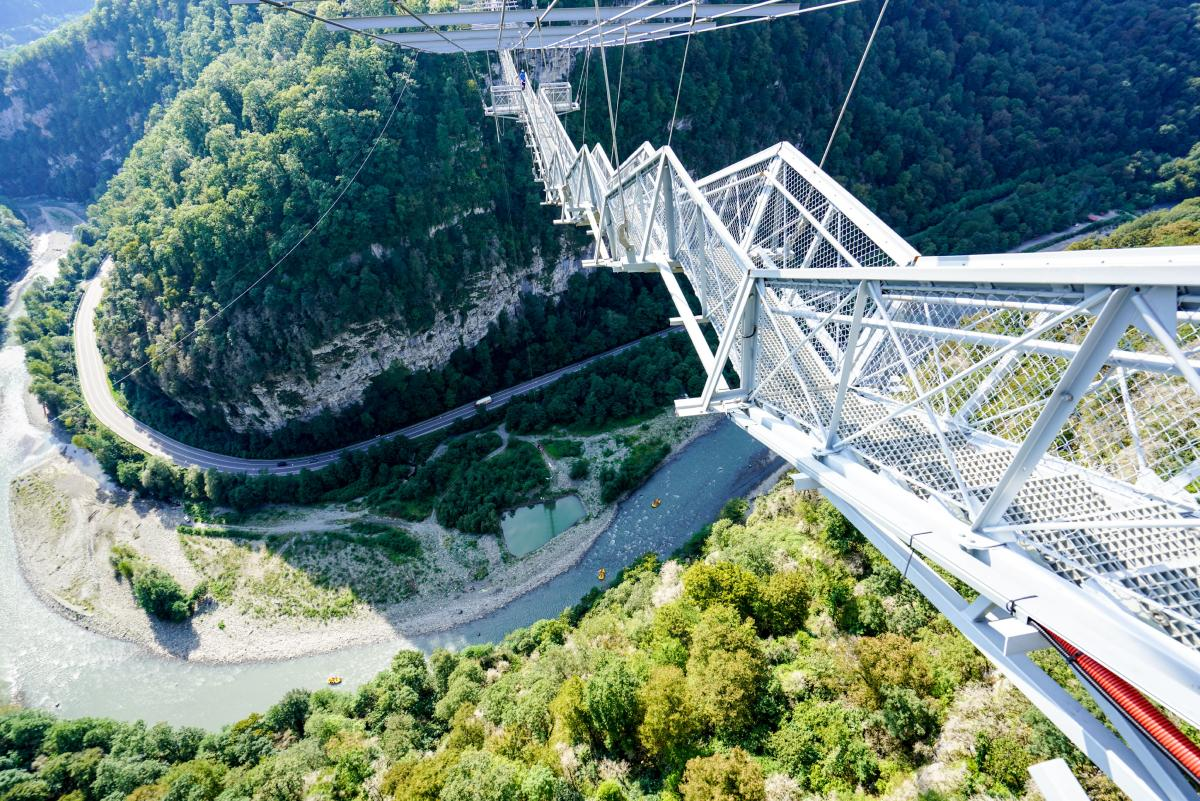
{"type": "Point", "coordinates": [48, 661]}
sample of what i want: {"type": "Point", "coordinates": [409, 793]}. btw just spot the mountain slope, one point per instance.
{"type": "Point", "coordinates": [241, 164]}
{"type": "Point", "coordinates": [74, 102]}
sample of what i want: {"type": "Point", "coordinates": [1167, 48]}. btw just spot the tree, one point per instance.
{"type": "Point", "coordinates": [160, 594]}
{"type": "Point", "coordinates": [821, 745]}
{"type": "Point", "coordinates": [729, 776]}
{"type": "Point", "coordinates": [725, 583]}
{"type": "Point", "coordinates": [906, 716]}
{"type": "Point", "coordinates": [784, 603]}
{"type": "Point", "coordinates": [612, 703]}
{"type": "Point", "coordinates": [726, 672]}
{"type": "Point", "coordinates": [668, 724]}
{"type": "Point", "coordinates": [290, 713]}
{"type": "Point", "coordinates": [481, 776]}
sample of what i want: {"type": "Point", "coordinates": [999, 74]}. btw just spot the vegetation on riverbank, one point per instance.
{"type": "Point", "coordinates": [788, 659]}
{"type": "Point", "coordinates": [1178, 225]}
{"type": "Point", "coordinates": [155, 589]}
{"type": "Point", "coordinates": [14, 252]}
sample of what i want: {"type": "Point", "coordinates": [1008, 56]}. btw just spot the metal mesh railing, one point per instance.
{"type": "Point", "coordinates": [962, 389]}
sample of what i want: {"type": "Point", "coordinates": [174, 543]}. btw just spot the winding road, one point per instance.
{"type": "Point", "coordinates": [98, 395]}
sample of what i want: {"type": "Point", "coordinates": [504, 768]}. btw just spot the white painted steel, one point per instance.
{"type": "Point", "coordinates": [1020, 422]}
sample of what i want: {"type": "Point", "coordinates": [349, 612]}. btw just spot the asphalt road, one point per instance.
{"type": "Point", "coordinates": [93, 380]}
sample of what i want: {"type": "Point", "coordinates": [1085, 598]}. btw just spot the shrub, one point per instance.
{"type": "Point", "coordinates": [580, 469]}
{"type": "Point", "coordinates": [836, 530]}
{"type": "Point", "coordinates": [1003, 761]}
{"type": "Point", "coordinates": [160, 594]}
{"type": "Point", "coordinates": [735, 510]}
{"type": "Point", "coordinates": [725, 583]}
{"type": "Point", "coordinates": [731, 776]}
{"type": "Point", "coordinates": [613, 707]}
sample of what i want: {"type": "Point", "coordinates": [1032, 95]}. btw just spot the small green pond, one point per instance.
{"type": "Point", "coordinates": [530, 527]}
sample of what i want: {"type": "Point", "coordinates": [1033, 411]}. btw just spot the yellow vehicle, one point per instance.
{"type": "Point", "coordinates": [600, 574]}
{"type": "Point", "coordinates": [657, 502]}
{"type": "Point", "coordinates": [334, 680]}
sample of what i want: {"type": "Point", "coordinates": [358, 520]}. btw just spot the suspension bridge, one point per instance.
{"type": "Point", "coordinates": [1026, 426]}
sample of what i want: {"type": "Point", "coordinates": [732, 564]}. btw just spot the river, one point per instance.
{"type": "Point", "coordinates": [48, 661]}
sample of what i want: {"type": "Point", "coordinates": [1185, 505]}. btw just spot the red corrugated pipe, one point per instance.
{"type": "Point", "coordinates": [1156, 725]}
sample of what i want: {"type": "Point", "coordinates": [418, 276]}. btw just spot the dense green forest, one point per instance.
{"type": "Point", "coordinates": [22, 21]}
{"type": "Point", "coordinates": [242, 163]}
{"type": "Point", "coordinates": [783, 658]}
{"type": "Point", "coordinates": [975, 126]}
{"type": "Point", "coordinates": [74, 102]}
{"type": "Point", "coordinates": [14, 250]}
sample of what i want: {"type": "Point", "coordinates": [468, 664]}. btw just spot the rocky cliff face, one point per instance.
{"type": "Point", "coordinates": [345, 365]}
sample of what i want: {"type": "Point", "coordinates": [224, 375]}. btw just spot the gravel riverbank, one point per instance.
{"type": "Point", "coordinates": [66, 521]}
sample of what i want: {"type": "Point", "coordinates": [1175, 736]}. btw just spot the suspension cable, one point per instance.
{"type": "Point", "coordinates": [466, 60]}
{"type": "Point", "coordinates": [682, 66]}
{"type": "Point", "coordinates": [583, 87]}
{"type": "Point", "coordinates": [853, 83]}
{"type": "Point", "coordinates": [621, 75]}
{"type": "Point", "coordinates": [612, 127]}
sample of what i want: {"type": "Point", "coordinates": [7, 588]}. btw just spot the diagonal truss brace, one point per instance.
{"type": "Point", "coordinates": [1105, 333]}
{"type": "Point", "coordinates": [732, 332]}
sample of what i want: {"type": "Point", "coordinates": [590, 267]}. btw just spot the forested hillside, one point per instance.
{"type": "Point", "coordinates": [441, 222]}
{"type": "Point", "coordinates": [788, 660]}
{"type": "Point", "coordinates": [74, 102]}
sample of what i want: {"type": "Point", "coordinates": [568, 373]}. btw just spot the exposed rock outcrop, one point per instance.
{"type": "Point", "coordinates": [345, 364]}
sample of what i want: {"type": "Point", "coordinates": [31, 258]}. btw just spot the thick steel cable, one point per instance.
{"type": "Point", "coordinates": [853, 83]}
{"type": "Point", "coordinates": [583, 84]}
{"type": "Point", "coordinates": [537, 23]}
{"type": "Point", "coordinates": [679, 89]}
{"type": "Point", "coordinates": [621, 76]}
{"type": "Point", "coordinates": [399, 4]}
{"type": "Point", "coordinates": [202, 324]}
{"type": "Point", "coordinates": [612, 127]}
{"type": "Point", "coordinates": [334, 23]}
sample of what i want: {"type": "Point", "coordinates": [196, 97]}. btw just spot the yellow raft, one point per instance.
{"type": "Point", "coordinates": [334, 680]}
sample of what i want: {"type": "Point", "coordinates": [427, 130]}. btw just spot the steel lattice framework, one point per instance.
{"type": "Point", "coordinates": [1029, 424]}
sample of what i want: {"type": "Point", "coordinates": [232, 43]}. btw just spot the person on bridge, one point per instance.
{"type": "Point", "coordinates": [523, 79]}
